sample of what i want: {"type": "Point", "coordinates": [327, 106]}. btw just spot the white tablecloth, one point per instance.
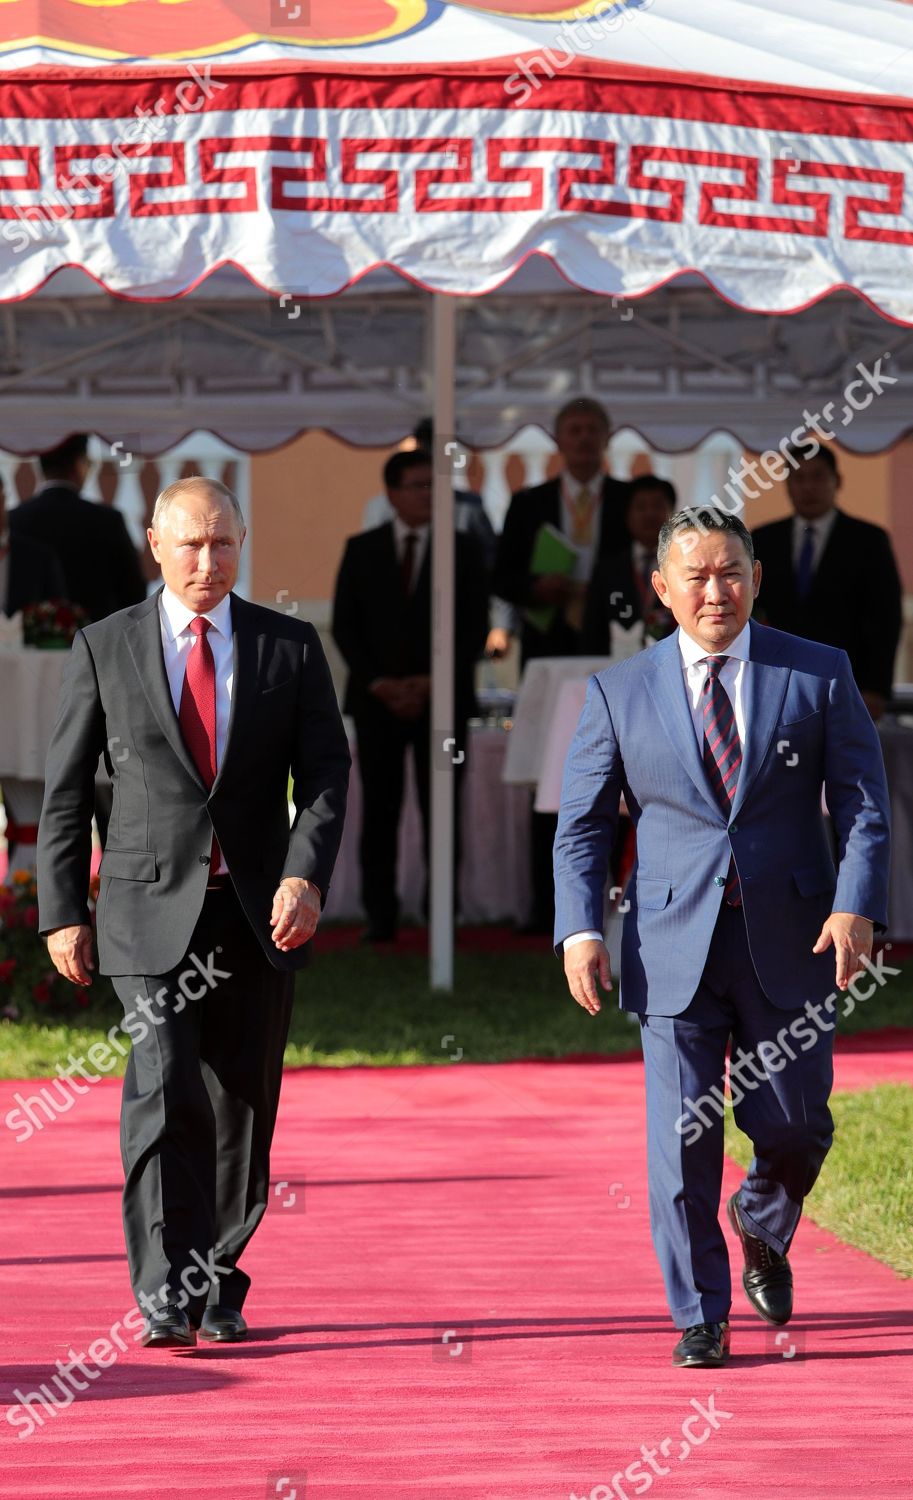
{"type": "Point", "coordinates": [29, 690]}
{"type": "Point", "coordinates": [495, 881]}
{"type": "Point", "coordinates": [534, 710]}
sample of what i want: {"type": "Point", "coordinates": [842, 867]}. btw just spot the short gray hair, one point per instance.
{"type": "Point", "coordinates": [702, 518]}
{"type": "Point", "coordinates": [194, 484]}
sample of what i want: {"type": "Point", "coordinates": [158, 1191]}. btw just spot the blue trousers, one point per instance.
{"type": "Point", "coordinates": [780, 1103]}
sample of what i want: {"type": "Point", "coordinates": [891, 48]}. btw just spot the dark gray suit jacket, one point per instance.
{"type": "Point", "coordinates": [116, 702]}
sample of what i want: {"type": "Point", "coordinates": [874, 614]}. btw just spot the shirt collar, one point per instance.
{"type": "Point", "coordinates": [572, 487]}
{"type": "Point", "coordinates": [821, 525]}
{"type": "Point", "coordinates": [402, 530]}
{"type": "Point", "coordinates": [177, 615]}
{"type": "Point", "coordinates": [693, 652]}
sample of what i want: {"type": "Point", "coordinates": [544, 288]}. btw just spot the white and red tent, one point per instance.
{"type": "Point", "coordinates": [743, 156]}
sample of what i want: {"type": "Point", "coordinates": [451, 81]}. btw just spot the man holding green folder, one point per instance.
{"type": "Point", "coordinates": [553, 535]}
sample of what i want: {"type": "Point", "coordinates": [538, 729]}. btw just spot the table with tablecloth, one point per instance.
{"type": "Point", "coordinates": [494, 875]}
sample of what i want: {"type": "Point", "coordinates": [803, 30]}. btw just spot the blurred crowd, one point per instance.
{"type": "Point", "coordinates": [569, 575]}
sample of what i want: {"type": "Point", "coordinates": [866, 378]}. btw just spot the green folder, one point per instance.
{"type": "Point", "coordinates": [552, 553]}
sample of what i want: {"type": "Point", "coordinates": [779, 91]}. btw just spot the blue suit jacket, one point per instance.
{"type": "Point", "coordinates": [806, 725]}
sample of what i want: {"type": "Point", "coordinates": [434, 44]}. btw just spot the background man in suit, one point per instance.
{"type": "Point", "coordinates": [831, 577]}
{"type": "Point", "coordinates": [201, 704]}
{"type": "Point", "coordinates": [29, 571]}
{"type": "Point", "coordinates": [382, 626]}
{"type": "Point", "coordinates": [588, 506]}
{"type": "Point", "coordinates": [583, 502]}
{"type": "Point", "coordinates": [621, 589]}
{"type": "Point", "coordinates": [99, 561]}
{"type": "Point", "coordinates": [720, 738]}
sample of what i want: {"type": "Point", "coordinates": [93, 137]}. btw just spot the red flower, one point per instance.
{"type": "Point", "coordinates": [30, 916]}
{"type": "Point", "coordinates": [41, 992]}
{"type": "Point", "coordinates": [82, 999]}
{"type": "Point", "coordinates": [7, 969]}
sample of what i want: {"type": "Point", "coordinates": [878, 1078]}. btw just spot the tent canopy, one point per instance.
{"type": "Point", "coordinates": [675, 367]}
{"type": "Point", "coordinates": [153, 143]}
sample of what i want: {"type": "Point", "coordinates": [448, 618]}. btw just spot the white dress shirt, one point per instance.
{"type": "Point", "coordinates": [400, 532]}
{"type": "Point", "coordinates": [177, 639]}
{"type": "Point", "coordinates": [694, 668]}
{"type": "Point", "coordinates": [586, 552]}
{"type": "Point", "coordinates": [821, 527]}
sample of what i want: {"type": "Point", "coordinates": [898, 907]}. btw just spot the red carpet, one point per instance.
{"type": "Point", "coordinates": [504, 1203]}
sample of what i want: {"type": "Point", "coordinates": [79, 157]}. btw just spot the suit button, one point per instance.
{"type": "Point", "coordinates": [719, 879]}
{"type": "Point", "coordinates": [734, 828]}
{"type": "Point", "coordinates": [204, 859]}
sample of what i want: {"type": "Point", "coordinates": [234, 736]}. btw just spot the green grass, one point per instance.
{"type": "Point", "coordinates": [865, 1192]}
{"type": "Point", "coordinates": [358, 1006]}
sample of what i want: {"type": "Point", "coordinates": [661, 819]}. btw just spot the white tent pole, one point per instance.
{"type": "Point", "coordinates": [443, 364]}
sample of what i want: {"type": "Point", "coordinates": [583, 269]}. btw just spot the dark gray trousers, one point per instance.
{"type": "Point", "coordinates": [199, 1106]}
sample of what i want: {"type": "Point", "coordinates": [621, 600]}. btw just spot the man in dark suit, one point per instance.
{"type": "Point", "coordinates": [589, 508]}
{"type": "Point", "coordinates": [382, 626]}
{"type": "Point", "coordinates": [202, 704]}
{"type": "Point", "coordinates": [582, 502]}
{"type": "Point", "coordinates": [738, 925]}
{"type": "Point", "coordinates": [99, 561]}
{"type": "Point", "coordinates": [831, 577]}
{"type": "Point", "coordinates": [29, 571]}
{"type": "Point", "coordinates": [621, 589]}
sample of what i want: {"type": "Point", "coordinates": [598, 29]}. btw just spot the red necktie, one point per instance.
{"type": "Point", "coordinates": [722, 754]}
{"type": "Point", "coordinates": [197, 716]}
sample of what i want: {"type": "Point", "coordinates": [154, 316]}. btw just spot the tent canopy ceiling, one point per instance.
{"type": "Point", "coordinates": [675, 366]}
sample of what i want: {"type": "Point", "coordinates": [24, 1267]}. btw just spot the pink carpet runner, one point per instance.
{"type": "Point", "coordinates": [454, 1295]}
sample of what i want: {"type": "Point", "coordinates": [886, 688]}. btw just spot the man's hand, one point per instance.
{"type": "Point", "coordinates": [552, 588]}
{"type": "Point", "coordinates": [583, 962]}
{"type": "Point", "coordinates": [497, 643]}
{"type": "Point", "coordinates": [852, 939]}
{"type": "Point", "coordinates": [70, 951]}
{"type": "Point", "coordinates": [295, 914]}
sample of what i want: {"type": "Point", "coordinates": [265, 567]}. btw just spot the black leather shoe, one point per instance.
{"type": "Point", "coordinates": [168, 1328]}
{"type": "Point", "coordinates": [702, 1347]}
{"type": "Point", "coordinates": [767, 1277]}
{"type": "Point", "coordinates": [222, 1325]}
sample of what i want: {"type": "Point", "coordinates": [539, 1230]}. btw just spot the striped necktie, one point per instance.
{"type": "Point", "coordinates": [722, 754]}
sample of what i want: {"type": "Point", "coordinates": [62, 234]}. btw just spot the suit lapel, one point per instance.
{"type": "Point", "coordinates": [764, 693]}
{"type": "Point", "coordinates": [666, 685]}
{"type": "Point", "coordinates": [144, 642]}
{"type": "Point", "coordinates": [247, 653]}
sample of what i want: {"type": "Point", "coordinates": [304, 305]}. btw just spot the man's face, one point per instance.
{"type": "Point", "coordinates": [647, 512]}
{"type": "Point", "coordinates": [411, 499]}
{"type": "Point", "coordinates": [812, 488]}
{"type": "Point", "coordinates": [198, 548]}
{"type": "Point", "coordinates": [709, 585]}
{"type": "Point", "coordinates": [582, 439]}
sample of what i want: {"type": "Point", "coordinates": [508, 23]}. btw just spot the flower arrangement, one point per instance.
{"type": "Point", "coordinates": [52, 624]}
{"type": "Point", "coordinates": [29, 983]}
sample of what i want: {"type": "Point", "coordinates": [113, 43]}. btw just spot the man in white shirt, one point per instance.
{"type": "Point", "coordinates": [720, 739]}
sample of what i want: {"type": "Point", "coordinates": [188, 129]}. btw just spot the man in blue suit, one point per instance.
{"type": "Point", "coordinates": [720, 738]}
